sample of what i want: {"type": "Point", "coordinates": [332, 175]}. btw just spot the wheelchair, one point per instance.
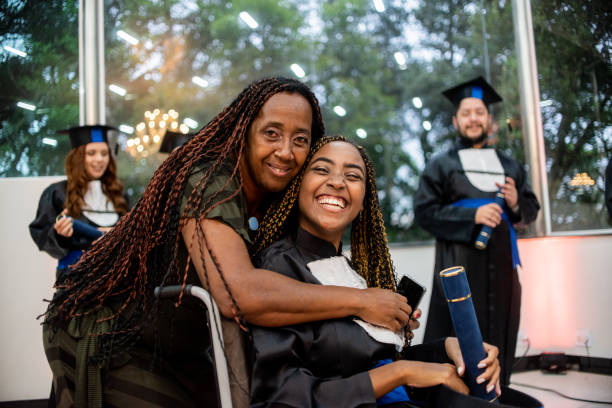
{"type": "Point", "coordinates": [214, 324]}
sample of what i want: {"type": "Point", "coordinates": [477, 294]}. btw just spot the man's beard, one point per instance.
{"type": "Point", "coordinates": [470, 141]}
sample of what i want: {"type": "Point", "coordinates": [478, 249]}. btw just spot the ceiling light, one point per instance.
{"type": "Point", "coordinates": [27, 106]}
{"type": "Point", "coordinates": [117, 89]}
{"type": "Point", "coordinates": [199, 81]}
{"type": "Point", "coordinates": [547, 102]}
{"type": "Point", "coordinates": [362, 133]}
{"type": "Point", "coordinates": [339, 110]}
{"type": "Point", "coordinates": [417, 102]}
{"type": "Point", "coordinates": [126, 37]}
{"type": "Point", "coordinates": [379, 6]}
{"type": "Point", "coordinates": [15, 51]}
{"type": "Point", "coordinates": [297, 70]}
{"type": "Point", "coordinates": [190, 122]}
{"type": "Point", "coordinates": [400, 58]}
{"type": "Point", "coordinates": [246, 17]}
{"type": "Point", "coordinates": [126, 129]}
{"type": "Point", "coordinates": [49, 141]}
{"type": "Point", "coordinates": [427, 125]}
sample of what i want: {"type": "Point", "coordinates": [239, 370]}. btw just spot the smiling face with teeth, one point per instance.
{"type": "Point", "coordinates": [332, 191]}
{"type": "Point", "coordinates": [278, 143]}
{"type": "Point", "coordinates": [97, 157]}
{"type": "Point", "coordinates": [472, 120]}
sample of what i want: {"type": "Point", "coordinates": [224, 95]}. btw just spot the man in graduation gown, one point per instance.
{"type": "Point", "coordinates": [454, 200]}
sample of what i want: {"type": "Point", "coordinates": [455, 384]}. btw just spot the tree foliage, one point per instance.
{"type": "Point", "coordinates": [575, 65]}
{"type": "Point", "coordinates": [348, 51]}
{"type": "Point", "coordinates": [47, 79]}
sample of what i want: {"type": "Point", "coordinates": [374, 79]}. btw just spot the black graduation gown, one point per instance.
{"type": "Point", "coordinates": [50, 205]}
{"type": "Point", "coordinates": [494, 283]}
{"type": "Point", "coordinates": [318, 364]}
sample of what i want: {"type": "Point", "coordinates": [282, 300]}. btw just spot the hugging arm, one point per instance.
{"type": "Point", "coordinates": [268, 298]}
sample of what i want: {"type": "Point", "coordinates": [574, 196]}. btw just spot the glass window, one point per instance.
{"type": "Point", "coordinates": [573, 45]}
{"type": "Point", "coordinates": [39, 83]}
{"type": "Point", "coordinates": [377, 67]}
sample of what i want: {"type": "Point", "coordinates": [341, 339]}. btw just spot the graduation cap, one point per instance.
{"type": "Point", "coordinates": [474, 88]}
{"type": "Point", "coordinates": [82, 135]}
{"type": "Point", "coordinates": [172, 140]}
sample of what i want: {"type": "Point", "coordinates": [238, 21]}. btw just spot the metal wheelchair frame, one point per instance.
{"type": "Point", "coordinates": [221, 372]}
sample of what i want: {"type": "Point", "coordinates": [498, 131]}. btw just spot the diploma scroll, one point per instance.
{"type": "Point", "coordinates": [459, 298]}
{"type": "Point", "coordinates": [482, 240]}
{"type": "Point", "coordinates": [83, 229]}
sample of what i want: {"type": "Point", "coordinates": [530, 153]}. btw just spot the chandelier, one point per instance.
{"type": "Point", "coordinates": [150, 133]}
{"type": "Point", "coordinates": [582, 179]}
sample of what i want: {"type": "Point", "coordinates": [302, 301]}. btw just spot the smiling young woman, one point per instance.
{"type": "Point", "coordinates": [91, 194]}
{"type": "Point", "coordinates": [342, 362]}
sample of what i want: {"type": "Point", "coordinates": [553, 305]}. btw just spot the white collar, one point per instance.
{"type": "Point", "coordinates": [98, 208]}
{"type": "Point", "coordinates": [336, 271]}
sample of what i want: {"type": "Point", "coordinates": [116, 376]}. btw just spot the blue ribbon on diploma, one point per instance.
{"type": "Point", "coordinates": [482, 240]}
{"type": "Point", "coordinates": [459, 297]}
{"type": "Point", "coordinates": [485, 231]}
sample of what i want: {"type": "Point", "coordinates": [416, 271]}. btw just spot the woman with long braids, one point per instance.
{"type": "Point", "coordinates": [111, 342]}
{"type": "Point", "coordinates": [91, 194]}
{"type": "Point", "coordinates": [343, 362]}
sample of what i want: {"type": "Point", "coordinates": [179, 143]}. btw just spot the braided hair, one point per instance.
{"type": "Point", "coordinates": [140, 252]}
{"type": "Point", "coordinates": [369, 247]}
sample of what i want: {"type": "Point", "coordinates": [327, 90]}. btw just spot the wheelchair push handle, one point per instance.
{"type": "Point", "coordinates": [171, 291]}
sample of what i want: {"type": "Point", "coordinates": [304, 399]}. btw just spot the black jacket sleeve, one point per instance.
{"type": "Point", "coordinates": [51, 203]}
{"type": "Point", "coordinates": [435, 213]}
{"type": "Point", "coordinates": [431, 352]}
{"type": "Point", "coordinates": [527, 201]}
{"type": "Point", "coordinates": [50, 206]}
{"type": "Point", "coordinates": [282, 375]}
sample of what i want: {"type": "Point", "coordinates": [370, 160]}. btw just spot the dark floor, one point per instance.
{"type": "Point", "coordinates": [25, 404]}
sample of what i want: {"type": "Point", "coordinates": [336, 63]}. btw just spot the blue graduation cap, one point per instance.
{"type": "Point", "coordinates": [474, 88]}
{"type": "Point", "coordinates": [82, 135]}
